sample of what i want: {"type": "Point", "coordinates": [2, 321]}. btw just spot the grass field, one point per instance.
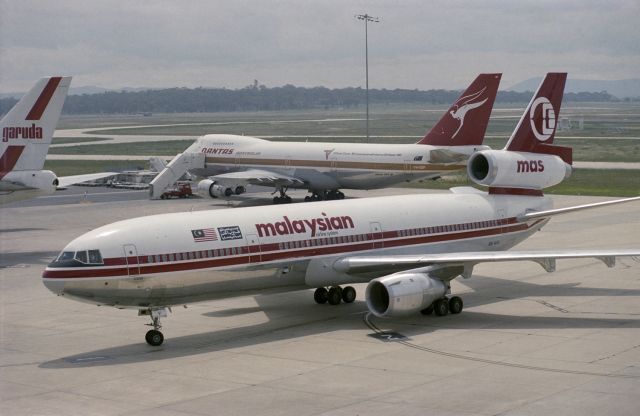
{"type": "Point", "coordinates": [610, 133]}
{"type": "Point", "coordinates": [596, 182]}
{"type": "Point", "coordinates": [591, 150]}
{"type": "Point", "coordinates": [65, 140]}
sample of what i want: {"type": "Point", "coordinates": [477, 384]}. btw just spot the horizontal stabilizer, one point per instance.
{"type": "Point", "coordinates": [549, 213]}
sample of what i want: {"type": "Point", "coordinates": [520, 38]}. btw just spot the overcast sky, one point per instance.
{"type": "Point", "coordinates": [417, 44]}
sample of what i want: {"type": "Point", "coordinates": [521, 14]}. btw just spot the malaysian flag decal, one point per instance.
{"type": "Point", "coordinates": [204, 234]}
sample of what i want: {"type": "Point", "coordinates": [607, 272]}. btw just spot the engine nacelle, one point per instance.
{"type": "Point", "coordinates": [209, 189]}
{"type": "Point", "coordinates": [44, 181]}
{"type": "Point", "coordinates": [509, 169]}
{"type": "Point", "coordinates": [402, 294]}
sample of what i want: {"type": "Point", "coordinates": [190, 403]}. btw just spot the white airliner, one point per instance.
{"type": "Point", "coordinates": [27, 130]}
{"type": "Point", "coordinates": [408, 248]}
{"type": "Point", "coordinates": [232, 162]}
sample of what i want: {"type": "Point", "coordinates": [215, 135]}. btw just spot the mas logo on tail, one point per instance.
{"type": "Point", "coordinates": [548, 119]}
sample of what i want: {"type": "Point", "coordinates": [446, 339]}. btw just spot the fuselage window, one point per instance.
{"type": "Point", "coordinates": [81, 256]}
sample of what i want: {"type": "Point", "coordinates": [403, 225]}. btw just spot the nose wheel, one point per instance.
{"type": "Point", "coordinates": [154, 337]}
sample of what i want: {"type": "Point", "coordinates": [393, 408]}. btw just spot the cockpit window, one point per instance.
{"type": "Point", "coordinates": [78, 258]}
{"type": "Point", "coordinates": [65, 256]}
{"type": "Point", "coordinates": [81, 256]}
{"type": "Point", "coordinates": [95, 257]}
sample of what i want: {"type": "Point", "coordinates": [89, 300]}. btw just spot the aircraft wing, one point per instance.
{"type": "Point", "coordinates": [354, 265]}
{"type": "Point", "coordinates": [256, 177]}
{"type": "Point", "coordinates": [64, 181]}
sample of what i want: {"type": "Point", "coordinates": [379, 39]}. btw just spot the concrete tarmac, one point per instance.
{"type": "Point", "coordinates": [528, 342]}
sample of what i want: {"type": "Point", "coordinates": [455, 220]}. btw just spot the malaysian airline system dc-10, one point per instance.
{"type": "Point", "coordinates": [407, 248]}
{"type": "Point", "coordinates": [27, 130]}
{"type": "Point", "coordinates": [232, 162]}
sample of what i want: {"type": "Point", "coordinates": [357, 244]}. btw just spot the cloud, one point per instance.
{"type": "Point", "coordinates": [417, 44]}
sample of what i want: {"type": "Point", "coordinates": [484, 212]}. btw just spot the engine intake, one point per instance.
{"type": "Point", "coordinates": [403, 294]}
{"type": "Point", "coordinates": [209, 189]}
{"type": "Point", "coordinates": [503, 168]}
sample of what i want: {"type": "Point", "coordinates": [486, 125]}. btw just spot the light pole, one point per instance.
{"type": "Point", "coordinates": [367, 19]}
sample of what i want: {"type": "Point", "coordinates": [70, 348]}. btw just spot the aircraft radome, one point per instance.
{"type": "Point", "coordinates": [232, 162]}
{"type": "Point", "coordinates": [407, 248]}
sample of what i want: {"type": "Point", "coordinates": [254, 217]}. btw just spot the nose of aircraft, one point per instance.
{"type": "Point", "coordinates": [56, 286]}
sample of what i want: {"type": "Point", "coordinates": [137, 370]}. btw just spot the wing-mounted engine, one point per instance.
{"type": "Point", "coordinates": [42, 180]}
{"type": "Point", "coordinates": [404, 293]}
{"type": "Point", "coordinates": [510, 169]}
{"type": "Point", "coordinates": [208, 188]}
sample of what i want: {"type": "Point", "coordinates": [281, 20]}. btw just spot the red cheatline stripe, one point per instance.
{"type": "Point", "coordinates": [42, 101]}
{"type": "Point", "coordinates": [279, 254]}
{"type": "Point", "coordinates": [9, 159]}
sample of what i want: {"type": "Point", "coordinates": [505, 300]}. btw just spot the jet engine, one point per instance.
{"type": "Point", "coordinates": [43, 180]}
{"type": "Point", "coordinates": [209, 188]}
{"type": "Point", "coordinates": [501, 168]}
{"type": "Point", "coordinates": [402, 294]}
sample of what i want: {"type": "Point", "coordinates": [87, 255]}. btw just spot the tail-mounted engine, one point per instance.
{"type": "Point", "coordinates": [509, 169]}
{"type": "Point", "coordinates": [43, 180]}
{"type": "Point", "coordinates": [404, 293]}
{"type": "Point", "coordinates": [209, 189]}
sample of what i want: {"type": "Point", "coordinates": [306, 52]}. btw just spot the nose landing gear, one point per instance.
{"type": "Point", "coordinates": [154, 337]}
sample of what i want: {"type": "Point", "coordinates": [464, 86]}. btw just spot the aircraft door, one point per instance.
{"type": "Point", "coordinates": [131, 258]}
{"type": "Point", "coordinates": [253, 248]}
{"type": "Point", "coordinates": [376, 235]}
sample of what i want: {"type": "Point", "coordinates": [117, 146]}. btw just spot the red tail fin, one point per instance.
{"type": "Point", "coordinates": [466, 120]}
{"type": "Point", "coordinates": [537, 127]}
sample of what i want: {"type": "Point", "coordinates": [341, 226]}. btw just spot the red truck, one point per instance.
{"type": "Point", "coordinates": [181, 190]}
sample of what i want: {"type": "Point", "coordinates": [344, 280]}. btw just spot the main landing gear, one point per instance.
{"type": "Point", "coordinates": [324, 195]}
{"type": "Point", "coordinates": [334, 295]}
{"type": "Point", "coordinates": [444, 306]}
{"type": "Point", "coordinates": [154, 337]}
{"type": "Point", "coordinates": [283, 198]}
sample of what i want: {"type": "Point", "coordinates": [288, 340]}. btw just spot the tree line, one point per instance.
{"type": "Point", "coordinates": [260, 98]}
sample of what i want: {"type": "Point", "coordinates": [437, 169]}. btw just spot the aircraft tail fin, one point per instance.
{"type": "Point", "coordinates": [465, 122]}
{"type": "Point", "coordinates": [529, 163]}
{"type": "Point", "coordinates": [537, 126]}
{"type": "Point", "coordinates": [28, 127]}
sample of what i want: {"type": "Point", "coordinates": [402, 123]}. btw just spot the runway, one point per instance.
{"type": "Point", "coordinates": [528, 342]}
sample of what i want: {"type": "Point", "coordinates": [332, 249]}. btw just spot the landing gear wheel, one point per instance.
{"type": "Point", "coordinates": [348, 294]}
{"type": "Point", "coordinates": [339, 195]}
{"type": "Point", "coordinates": [441, 307]}
{"type": "Point", "coordinates": [320, 295]}
{"type": "Point", "coordinates": [335, 295]}
{"type": "Point", "coordinates": [307, 199]}
{"type": "Point", "coordinates": [455, 305]}
{"type": "Point", "coordinates": [154, 338]}
{"type": "Point", "coordinates": [428, 310]}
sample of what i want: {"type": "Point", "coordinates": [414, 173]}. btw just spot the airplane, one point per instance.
{"type": "Point", "coordinates": [27, 130]}
{"type": "Point", "coordinates": [407, 249]}
{"type": "Point", "coordinates": [232, 162]}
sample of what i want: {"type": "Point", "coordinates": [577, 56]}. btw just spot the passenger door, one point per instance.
{"type": "Point", "coordinates": [131, 259]}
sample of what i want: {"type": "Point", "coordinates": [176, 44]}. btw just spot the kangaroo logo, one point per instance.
{"type": "Point", "coordinates": [464, 105]}
{"type": "Point", "coordinates": [548, 119]}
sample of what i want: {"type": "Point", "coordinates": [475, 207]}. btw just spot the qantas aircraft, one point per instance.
{"type": "Point", "coordinates": [407, 248]}
{"type": "Point", "coordinates": [232, 162]}
{"type": "Point", "coordinates": [27, 130]}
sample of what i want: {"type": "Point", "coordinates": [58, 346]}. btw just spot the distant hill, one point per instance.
{"type": "Point", "coordinates": [620, 88]}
